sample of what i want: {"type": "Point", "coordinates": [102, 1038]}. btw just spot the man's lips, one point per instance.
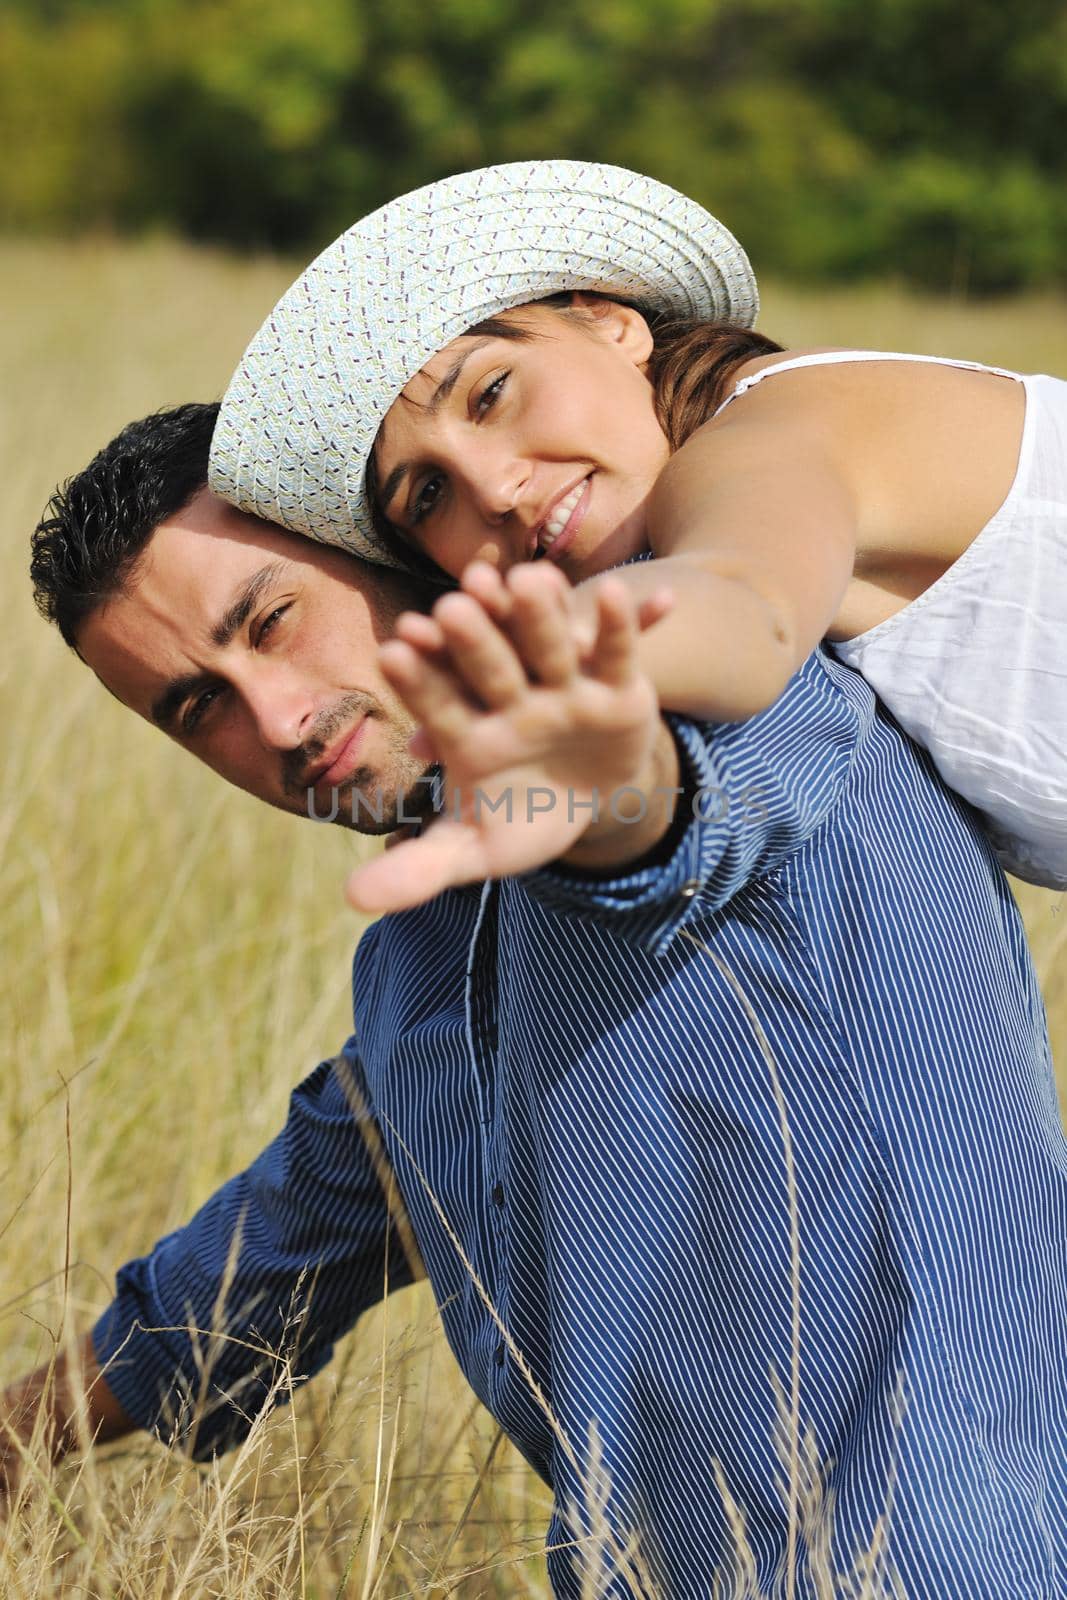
{"type": "Point", "coordinates": [337, 763]}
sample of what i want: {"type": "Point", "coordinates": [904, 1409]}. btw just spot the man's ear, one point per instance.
{"type": "Point", "coordinates": [620, 324]}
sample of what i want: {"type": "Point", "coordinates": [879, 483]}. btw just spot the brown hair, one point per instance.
{"type": "Point", "coordinates": [691, 369]}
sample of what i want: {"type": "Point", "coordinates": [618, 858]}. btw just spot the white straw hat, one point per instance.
{"type": "Point", "coordinates": [299, 419]}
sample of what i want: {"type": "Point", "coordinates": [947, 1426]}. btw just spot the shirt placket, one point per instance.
{"type": "Point", "coordinates": [484, 1041]}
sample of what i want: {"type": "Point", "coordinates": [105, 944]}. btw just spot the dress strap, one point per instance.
{"type": "Point", "coordinates": [829, 358]}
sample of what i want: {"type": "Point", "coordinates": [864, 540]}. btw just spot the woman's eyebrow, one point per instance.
{"type": "Point", "coordinates": [451, 377]}
{"type": "Point", "coordinates": [433, 406]}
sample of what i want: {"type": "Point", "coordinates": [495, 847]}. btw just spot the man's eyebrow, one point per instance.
{"type": "Point", "coordinates": [222, 633]}
{"type": "Point", "coordinates": [235, 617]}
{"type": "Point", "coordinates": [433, 406]}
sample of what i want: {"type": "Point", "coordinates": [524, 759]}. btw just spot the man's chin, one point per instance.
{"type": "Point", "coordinates": [366, 806]}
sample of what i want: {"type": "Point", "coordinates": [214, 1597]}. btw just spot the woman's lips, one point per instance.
{"type": "Point", "coordinates": [564, 539]}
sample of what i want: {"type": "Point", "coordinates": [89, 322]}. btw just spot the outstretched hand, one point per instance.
{"type": "Point", "coordinates": [540, 720]}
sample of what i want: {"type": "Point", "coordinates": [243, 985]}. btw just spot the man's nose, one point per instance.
{"type": "Point", "coordinates": [281, 707]}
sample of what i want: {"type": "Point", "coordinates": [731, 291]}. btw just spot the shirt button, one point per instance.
{"type": "Point", "coordinates": [690, 887]}
{"type": "Point", "coordinates": [498, 1194]}
{"type": "Point", "coordinates": [499, 1354]}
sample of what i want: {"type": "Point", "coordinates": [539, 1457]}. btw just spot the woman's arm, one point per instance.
{"type": "Point", "coordinates": [753, 527]}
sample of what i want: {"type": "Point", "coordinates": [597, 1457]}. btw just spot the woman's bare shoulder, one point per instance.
{"type": "Point", "coordinates": [929, 447]}
{"type": "Point", "coordinates": [748, 369]}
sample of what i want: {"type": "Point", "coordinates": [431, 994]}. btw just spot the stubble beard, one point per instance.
{"type": "Point", "coordinates": [372, 800]}
{"type": "Point", "coordinates": [379, 800]}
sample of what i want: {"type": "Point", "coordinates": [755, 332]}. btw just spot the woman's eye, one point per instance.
{"type": "Point", "coordinates": [491, 394]}
{"type": "Point", "coordinates": [426, 499]}
{"type": "Point", "coordinates": [195, 712]}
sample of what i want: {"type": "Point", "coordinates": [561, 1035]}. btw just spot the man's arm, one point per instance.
{"type": "Point", "coordinates": [228, 1313]}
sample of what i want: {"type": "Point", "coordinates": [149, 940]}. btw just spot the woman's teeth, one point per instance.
{"type": "Point", "coordinates": [561, 515]}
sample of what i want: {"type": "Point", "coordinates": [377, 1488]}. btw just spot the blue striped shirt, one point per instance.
{"type": "Point", "coordinates": [576, 1084]}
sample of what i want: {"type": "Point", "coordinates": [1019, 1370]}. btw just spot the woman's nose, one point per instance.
{"type": "Point", "coordinates": [496, 482]}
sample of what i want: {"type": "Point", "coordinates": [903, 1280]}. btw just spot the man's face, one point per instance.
{"type": "Point", "coordinates": [257, 651]}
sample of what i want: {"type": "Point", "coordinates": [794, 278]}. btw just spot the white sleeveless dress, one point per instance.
{"type": "Point", "coordinates": [975, 668]}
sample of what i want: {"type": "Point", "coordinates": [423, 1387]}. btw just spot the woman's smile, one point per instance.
{"type": "Point", "coordinates": [557, 533]}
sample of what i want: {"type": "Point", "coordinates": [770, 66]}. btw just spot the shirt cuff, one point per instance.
{"type": "Point", "coordinates": [143, 1369]}
{"type": "Point", "coordinates": [655, 898]}
{"type": "Point", "coordinates": [159, 1372]}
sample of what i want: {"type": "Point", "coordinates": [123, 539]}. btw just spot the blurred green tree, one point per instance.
{"type": "Point", "coordinates": [838, 138]}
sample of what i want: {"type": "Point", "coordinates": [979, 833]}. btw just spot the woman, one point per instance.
{"type": "Point", "coordinates": [409, 397]}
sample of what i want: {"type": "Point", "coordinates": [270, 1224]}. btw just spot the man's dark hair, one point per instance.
{"type": "Point", "coordinates": [97, 524]}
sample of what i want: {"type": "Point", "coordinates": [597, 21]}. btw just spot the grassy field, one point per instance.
{"type": "Point", "coordinates": [176, 957]}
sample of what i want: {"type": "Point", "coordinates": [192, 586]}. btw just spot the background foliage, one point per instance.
{"type": "Point", "coordinates": [838, 138]}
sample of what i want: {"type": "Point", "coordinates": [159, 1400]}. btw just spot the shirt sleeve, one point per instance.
{"type": "Point", "coordinates": [246, 1300]}
{"type": "Point", "coordinates": [752, 793]}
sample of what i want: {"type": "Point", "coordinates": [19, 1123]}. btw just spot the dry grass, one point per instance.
{"type": "Point", "coordinates": [176, 957]}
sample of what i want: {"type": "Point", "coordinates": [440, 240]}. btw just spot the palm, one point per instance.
{"type": "Point", "coordinates": [521, 785]}
{"type": "Point", "coordinates": [521, 768]}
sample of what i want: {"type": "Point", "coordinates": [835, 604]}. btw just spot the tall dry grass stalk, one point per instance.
{"type": "Point", "coordinates": [176, 957]}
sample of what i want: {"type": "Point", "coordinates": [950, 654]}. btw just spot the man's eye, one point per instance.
{"type": "Point", "coordinates": [426, 499]}
{"type": "Point", "coordinates": [491, 394]}
{"type": "Point", "coordinates": [270, 623]}
{"type": "Point", "coordinates": [196, 709]}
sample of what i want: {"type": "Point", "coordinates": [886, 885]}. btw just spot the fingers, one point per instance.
{"type": "Point", "coordinates": [420, 631]}
{"type": "Point", "coordinates": [613, 658]}
{"type": "Point", "coordinates": [415, 870]}
{"type": "Point", "coordinates": [541, 625]}
{"type": "Point", "coordinates": [489, 644]}
{"type": "Point", "coordinates": [489, 589]}
{"type": "Point", "coordinates": [479, 652]}
{"type": "Point", "coordinates": [495, 637]}
{"type": "Point", "coordinates": [422, 747]}
{"type": "Point", "coordinates": [656, 606]}
{"type": "Point", "coordinates": [430, 691]}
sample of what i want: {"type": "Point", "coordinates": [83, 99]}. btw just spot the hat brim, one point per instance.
{"type": "Point", "coordinates": [298, 421]}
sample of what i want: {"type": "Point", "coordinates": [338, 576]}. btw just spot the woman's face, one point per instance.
{"type": "Point", "coordinates": [509, 450]}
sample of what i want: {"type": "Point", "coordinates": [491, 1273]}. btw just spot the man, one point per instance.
{"type": "Point", "coordinates": [579, 1077]}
